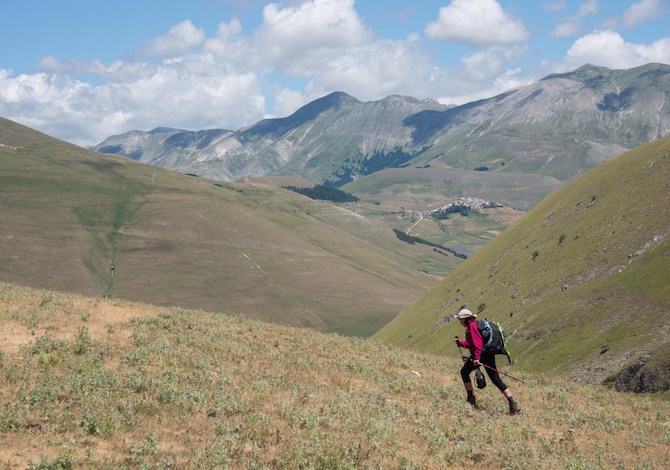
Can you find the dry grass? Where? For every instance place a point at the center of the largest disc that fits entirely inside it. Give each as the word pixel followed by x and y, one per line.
pixel 96 383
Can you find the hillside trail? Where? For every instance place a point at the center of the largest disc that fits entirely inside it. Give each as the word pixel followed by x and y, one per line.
pixel 417 223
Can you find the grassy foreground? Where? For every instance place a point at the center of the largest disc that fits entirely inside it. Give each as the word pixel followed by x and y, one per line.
pixel 87 382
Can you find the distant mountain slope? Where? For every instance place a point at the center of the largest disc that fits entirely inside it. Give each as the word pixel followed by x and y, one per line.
pixel 558 126
pixel 77 221
pixel 582 282
pixel 555 129
pixel 522 145
pixel 314 142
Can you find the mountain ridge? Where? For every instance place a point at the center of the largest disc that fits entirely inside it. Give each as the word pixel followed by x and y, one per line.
pixel 559 126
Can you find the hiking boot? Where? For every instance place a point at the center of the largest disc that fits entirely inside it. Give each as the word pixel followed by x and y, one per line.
pixel 473 401
pixel 514 408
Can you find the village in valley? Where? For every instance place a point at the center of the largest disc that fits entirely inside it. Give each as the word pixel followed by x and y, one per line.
pixel 461 205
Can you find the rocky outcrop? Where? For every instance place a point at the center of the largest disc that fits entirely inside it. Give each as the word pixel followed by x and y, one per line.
pixel 638 377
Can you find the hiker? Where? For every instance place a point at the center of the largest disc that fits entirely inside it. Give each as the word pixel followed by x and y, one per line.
pixel 473 341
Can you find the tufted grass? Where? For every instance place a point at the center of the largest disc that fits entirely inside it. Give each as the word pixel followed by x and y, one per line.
pixel 88 383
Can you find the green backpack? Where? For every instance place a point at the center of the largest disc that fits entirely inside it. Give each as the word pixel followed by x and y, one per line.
pixel 494 338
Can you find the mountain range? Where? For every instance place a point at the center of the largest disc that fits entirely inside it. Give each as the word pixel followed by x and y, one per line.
pixel 516 147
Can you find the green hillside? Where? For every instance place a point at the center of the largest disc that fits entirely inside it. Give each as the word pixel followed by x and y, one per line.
pixel 581 283
pixel 101 383
pixel 78 221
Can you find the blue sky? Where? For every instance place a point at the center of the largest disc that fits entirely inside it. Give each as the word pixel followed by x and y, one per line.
pixel 83 70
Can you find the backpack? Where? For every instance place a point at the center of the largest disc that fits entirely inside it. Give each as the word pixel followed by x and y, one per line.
pixel 494 338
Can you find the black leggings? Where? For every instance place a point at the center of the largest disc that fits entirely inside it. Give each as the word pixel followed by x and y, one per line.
pixel 489 360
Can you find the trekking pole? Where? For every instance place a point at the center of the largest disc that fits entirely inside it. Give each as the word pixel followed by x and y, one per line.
pixel 501 372
pixel 465 359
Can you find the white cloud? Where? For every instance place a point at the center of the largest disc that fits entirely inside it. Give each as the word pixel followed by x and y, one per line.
pixel 230 48
pixel 589 7
pixel 565 29
pixel 209 82
pixel 287 101
pixel 302 50
pixel 85 114
pixel 554 6
pixel 179 40
pixel 489 64
pixel 487 73
pixel 608 48
pixel 51 64
pixel 122 72
pixel 572 26
pixel 640 12
pixel 190 81
pixel 375 70
pixel 468 91
pixel 481 22
pixel 299 39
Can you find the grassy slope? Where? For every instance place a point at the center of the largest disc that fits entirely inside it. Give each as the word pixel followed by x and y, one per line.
pixel 95 383
pixel 68 215
pixel 583 305
pixel 371 226
pixel 422 189
pixel 418 188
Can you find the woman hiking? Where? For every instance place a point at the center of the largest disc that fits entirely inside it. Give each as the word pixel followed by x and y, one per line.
pixel 474 342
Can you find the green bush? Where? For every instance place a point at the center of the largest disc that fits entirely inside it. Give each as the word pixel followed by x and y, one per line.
pixel 82 342
pixel 60 463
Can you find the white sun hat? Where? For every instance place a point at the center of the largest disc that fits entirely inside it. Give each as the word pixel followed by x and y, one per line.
pixel 465 313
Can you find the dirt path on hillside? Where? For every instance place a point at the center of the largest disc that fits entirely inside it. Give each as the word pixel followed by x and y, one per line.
pixel 417 223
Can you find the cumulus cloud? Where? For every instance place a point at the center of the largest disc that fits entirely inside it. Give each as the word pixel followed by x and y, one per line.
pixel 52 64
pixel 640 12
pixel 221 81
pixel 608 48
pixel 375 70
pixel 480 22
pixel 300 39
pixel 287 101
pixel 230 48
pixel 468 91
pixel 85 114
pixel 184 90
pixel 489 64
pixel 486 73
pixel 54 104
pixel 184 79
pixel 179 40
